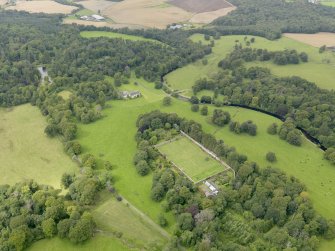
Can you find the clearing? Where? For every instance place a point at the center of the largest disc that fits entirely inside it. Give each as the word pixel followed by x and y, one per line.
pixel 317 39
pixel 320 69
pixel 93 34
pixel 49 7
pixel 190 159
pixel 26 152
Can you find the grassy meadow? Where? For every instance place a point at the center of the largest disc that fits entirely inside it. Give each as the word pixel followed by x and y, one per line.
pixel 197 164
pixel 93 34
pixel 99 242
pixel 25 150
pixel 316 70
pixel 112 138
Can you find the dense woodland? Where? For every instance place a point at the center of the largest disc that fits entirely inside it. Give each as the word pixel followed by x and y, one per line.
pixel 270 18
pixel 32 40
pixel 293 98
pixel 260 209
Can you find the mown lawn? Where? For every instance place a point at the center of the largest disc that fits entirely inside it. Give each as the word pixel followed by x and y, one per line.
pixel 25 150
pixel 188 157
pixel 93 34
pixel 316 70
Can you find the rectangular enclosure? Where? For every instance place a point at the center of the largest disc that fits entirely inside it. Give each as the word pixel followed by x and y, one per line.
pixel 190 159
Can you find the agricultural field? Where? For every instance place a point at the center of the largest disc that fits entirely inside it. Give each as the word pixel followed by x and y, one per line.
pixel 25 150
pixel 93 34
pixel 45 6
pixel 320 68
pixel 317 40
pixel 157 13
pixel 190 159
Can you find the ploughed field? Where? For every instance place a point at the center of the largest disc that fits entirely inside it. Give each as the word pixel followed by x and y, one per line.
pixel 198 6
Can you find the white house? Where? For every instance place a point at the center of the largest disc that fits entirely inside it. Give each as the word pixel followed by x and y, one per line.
pixel 98 17
pixel 212 188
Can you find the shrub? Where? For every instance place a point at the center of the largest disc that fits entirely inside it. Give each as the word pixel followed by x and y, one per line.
pixel 195 108
pixel 167 101
pixel 272 129
pixel 271 157
pixel 204 111
pixel 142 168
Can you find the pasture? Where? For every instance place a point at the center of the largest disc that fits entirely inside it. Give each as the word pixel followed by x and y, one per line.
pixel 320 68
pixel 190 159
pixel 25 150
pixel 93 34
pixel 46 6
pixel 112 216
pixel 112 138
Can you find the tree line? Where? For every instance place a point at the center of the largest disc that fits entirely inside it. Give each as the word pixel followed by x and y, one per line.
pixel 293 98
pixel 271 18
pixel 255 210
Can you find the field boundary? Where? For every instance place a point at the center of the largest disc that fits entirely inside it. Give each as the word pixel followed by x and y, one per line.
pixel 204 149
pixel 213 155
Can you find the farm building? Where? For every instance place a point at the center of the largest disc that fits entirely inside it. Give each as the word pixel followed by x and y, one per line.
pixel 212 189
pixel 130 94
pixel 96 18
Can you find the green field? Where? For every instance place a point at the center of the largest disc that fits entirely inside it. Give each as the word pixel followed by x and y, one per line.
pixel 25 150
pixel 98 243
pixel 112 216
pixel 113 139
pixel 189 157
pixel 316 70
pixel 93 34
pixel 305 162
pixel 328 2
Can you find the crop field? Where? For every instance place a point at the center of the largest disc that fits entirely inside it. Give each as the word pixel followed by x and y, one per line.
pixel 26 152
pixel 92 34
pixel 320 68
pixel 199 6
pixel 155 13
pixel 47 6
pixel 190 159
pixel 317 40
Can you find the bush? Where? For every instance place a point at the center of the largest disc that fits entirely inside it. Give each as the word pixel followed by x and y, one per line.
pixel 330 155
pixel 294 137
pixel 142 168
pixel 271 157
pixel 167 101
pixel 204 111
pixel 272 129
pixel 162 220
pixel 195 108
pixel 220 117
pixel 206 99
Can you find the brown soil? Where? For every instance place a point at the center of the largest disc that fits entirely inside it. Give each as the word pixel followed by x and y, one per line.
pixel 208 17
pixel 317 40
pixel 199 6
pixel 49 7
